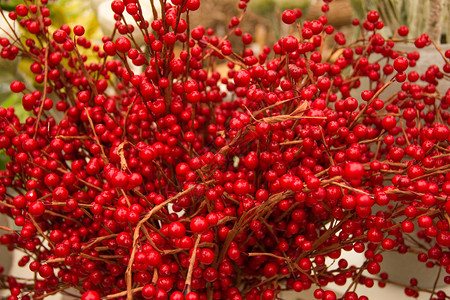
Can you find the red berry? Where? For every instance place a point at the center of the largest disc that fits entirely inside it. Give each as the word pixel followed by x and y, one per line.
pixel 90 295
pixel 199 224
pixel 443 239
pixel 403 30
pixel 120 179
pixel 123 44
pixel 117 7
pixel 400 64
pixel 36 208
pixel 241 187
pixel 353 171
pixel 288 16
pixel 242 78
pixel 389 122
pixel 78 30
pixel 60 36
pixel 17 86
pixel 373 16
pixel 177 230
pixel 193 4
pixel 290 43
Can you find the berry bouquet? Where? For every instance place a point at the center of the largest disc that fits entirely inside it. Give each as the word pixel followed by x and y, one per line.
pixel 144 173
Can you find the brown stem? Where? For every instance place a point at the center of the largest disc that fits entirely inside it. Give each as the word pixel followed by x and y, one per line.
pixel 6 229
pixel 136 236
pixel 91 123
pixel 97 240
pixel 41 108
pixel 121 294
pixel 53 292
pixel 39 229
pixel 371 100
pixel 191 265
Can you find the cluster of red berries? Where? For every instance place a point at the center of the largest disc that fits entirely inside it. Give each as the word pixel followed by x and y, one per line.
pixel 179 182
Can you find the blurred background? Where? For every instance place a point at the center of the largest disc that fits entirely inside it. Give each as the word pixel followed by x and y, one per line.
pixel 263 20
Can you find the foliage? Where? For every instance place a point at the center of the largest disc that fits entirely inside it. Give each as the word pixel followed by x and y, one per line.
pixel 415 14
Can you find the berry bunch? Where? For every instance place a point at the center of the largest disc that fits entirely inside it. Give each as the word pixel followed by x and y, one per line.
pixel 179 182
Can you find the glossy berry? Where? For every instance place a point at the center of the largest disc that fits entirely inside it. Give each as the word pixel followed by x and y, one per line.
pixel 242 78
pixel 288 16
pixel 90 295
pixel 199 224
pixel 400 64
pixel 353 171
pixel 403 30
pixel 123 44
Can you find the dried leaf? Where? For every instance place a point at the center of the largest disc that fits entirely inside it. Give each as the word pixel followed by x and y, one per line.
pixel 120 152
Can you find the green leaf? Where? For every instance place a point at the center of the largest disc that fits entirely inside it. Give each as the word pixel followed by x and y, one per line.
pixel 14 100
pixel 289 4
pixel 9 5
pixel 3 159
pixel 357 8
pixel 263 7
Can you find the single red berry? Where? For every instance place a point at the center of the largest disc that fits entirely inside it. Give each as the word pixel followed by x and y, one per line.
pixel 403 30
pixel 117 7
pixel 78 30
pixel 290 44
pixel 262 128
pixel 120 179
pixel 242 78
pixel 407 226
pixel 443 239
pixel 193 4
pixel 154 259
pixel 46 271
pixel 60 36
pixel 353 171
pixel 123 44
pixel 177 230
pixel 389 122
pixel 17 86
pixel 241 187
pixel 90 295
pixel 247 38
pixel 199 224
pixel 60 194
pixel 400 64
pixel 373 16
pixel 441 132
pixel 288 16
pixel 36 208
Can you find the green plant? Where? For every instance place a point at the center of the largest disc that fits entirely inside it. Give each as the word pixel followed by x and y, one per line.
pixel 9 4
pixel 430 16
